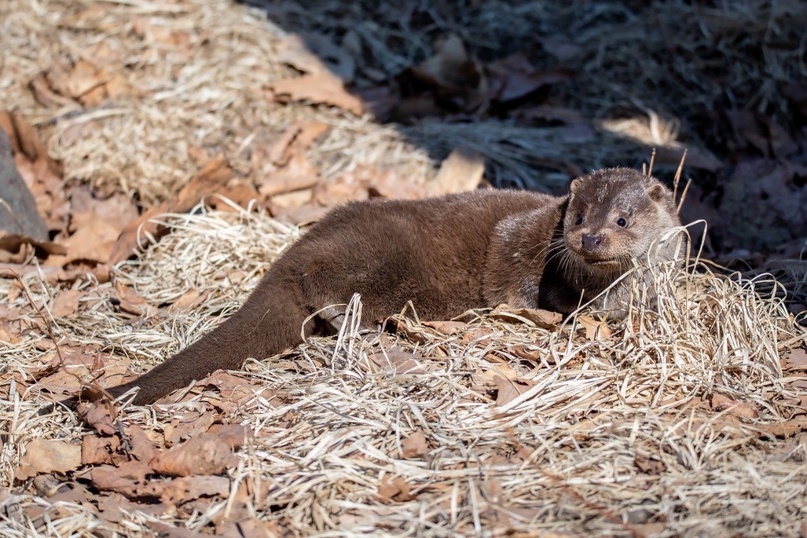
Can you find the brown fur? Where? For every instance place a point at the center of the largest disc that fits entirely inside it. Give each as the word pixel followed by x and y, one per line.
pixel 446 255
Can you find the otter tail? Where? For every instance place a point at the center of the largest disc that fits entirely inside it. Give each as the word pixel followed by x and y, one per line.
pixel 270 321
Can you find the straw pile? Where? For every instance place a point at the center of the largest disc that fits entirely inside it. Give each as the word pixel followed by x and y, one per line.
pixel 688 421
pixel 669 423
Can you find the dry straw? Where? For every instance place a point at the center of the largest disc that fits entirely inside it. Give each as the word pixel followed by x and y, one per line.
pixel 610 434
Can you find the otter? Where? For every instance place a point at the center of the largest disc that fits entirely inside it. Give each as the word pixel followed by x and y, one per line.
pixel 446 255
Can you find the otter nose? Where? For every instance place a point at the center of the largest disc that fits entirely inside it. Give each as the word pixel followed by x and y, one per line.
pixel 591 241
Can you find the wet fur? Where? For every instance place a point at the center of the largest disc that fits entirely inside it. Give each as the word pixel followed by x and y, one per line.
pixel 446 255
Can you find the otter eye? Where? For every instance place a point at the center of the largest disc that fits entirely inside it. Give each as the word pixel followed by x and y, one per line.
pixel 621 222
pixel 579 220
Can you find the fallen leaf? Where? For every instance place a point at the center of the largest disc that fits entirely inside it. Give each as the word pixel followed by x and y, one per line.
pixel 296 140
pixel 184 489
pixel 188 425
pixel 204 183
pixel 447 328
pixel 234 197
pixel 649 464
pixel 461 171
pixel 513 78
pixel 348 187
pixel 138 445
pixel 394 489
pixel 318 88
pixel 795 360
pixel 389 184
pixel 314 53
pixel 450 68
pixel 540 318
pixel 65 303
pixel 48 456
pixel 188 300
pixel 298 174
pixel 234 391
pixel 113 507
pixel 98 450
pixel 509 389
pixel 249 526
pixel 595 329
pixel 129 301
pixel 398 361
pixel 201 455
pixel 99 415
pixel 128 479
pixel 531 354
pixel 415 446
pixel 785 429
pixel 233 435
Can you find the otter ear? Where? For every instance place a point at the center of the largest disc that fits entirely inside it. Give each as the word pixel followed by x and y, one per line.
pixel 574 186
pixel 657 192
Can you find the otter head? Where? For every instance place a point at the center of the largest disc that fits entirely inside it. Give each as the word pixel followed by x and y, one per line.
pixel 614 216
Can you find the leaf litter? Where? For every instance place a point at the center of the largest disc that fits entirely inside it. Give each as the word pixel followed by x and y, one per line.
pixel 609 427
pixel 692 420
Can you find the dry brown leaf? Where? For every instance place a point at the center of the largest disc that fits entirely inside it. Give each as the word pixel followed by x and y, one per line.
pixel 55 275
pixel 112 507
pixel 304 215
pixel 100 415
pixel 233 435
pixel 65 303
pixel 48 456
pixel 295 141
pixel 84 82
pixel 234 391
pixel 188 425
pixel 540 318
pixel 795 360
pixel 97 450
pixel 315 53
pixel 350 186
pixel 508 389
pixel 595 329
pixel 514 78
pixel 130 301
pixel 138 444
pixel 93 241
pixel 415 445
pixel 181 490
pixel 188 300
pixel 451 68
pixel 128 479
pixel 446 327
pixel 209 180
pixel 649 464
pixel 461 171
pixel 738 409
pixel 249 526
pixel 523 352
pixel 398 361
pixel 320 89
pixel 788 428
pixel 116 210
pixel 389 184
pixel 239 192
pixel 201 455
pixel 394 489
pixel 298 174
